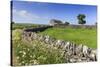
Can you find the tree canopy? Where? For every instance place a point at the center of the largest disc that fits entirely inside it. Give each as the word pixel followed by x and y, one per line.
pixel 81 19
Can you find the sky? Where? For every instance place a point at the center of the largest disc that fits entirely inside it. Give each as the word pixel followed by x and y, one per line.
pixel 42 12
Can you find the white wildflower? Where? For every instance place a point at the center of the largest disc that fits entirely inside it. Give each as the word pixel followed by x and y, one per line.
pixel 24 53
pixel 20 51
pixel 17 57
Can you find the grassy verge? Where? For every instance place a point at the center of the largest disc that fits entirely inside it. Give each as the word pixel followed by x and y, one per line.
pixel 35 52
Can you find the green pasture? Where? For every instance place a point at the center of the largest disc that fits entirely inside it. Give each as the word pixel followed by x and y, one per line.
pixel 79 36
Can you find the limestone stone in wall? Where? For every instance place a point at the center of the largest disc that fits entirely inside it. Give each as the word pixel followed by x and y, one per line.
pixel 70 51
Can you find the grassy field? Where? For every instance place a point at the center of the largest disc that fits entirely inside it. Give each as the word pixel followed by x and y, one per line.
pixel 35 52
pixel 79 36
pixel 23 26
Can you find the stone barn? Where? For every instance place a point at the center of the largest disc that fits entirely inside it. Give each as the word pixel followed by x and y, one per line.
pixel 54 22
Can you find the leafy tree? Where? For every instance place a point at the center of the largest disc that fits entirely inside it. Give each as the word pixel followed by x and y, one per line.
pixel 67 23
pixel 81 19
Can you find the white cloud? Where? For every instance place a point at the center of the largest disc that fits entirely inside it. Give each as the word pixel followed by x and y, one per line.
pixel 24 14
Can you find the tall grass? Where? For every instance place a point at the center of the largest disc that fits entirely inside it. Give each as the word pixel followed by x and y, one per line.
pixel 35 52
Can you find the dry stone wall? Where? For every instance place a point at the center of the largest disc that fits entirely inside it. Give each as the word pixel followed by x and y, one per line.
pixel 70 51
